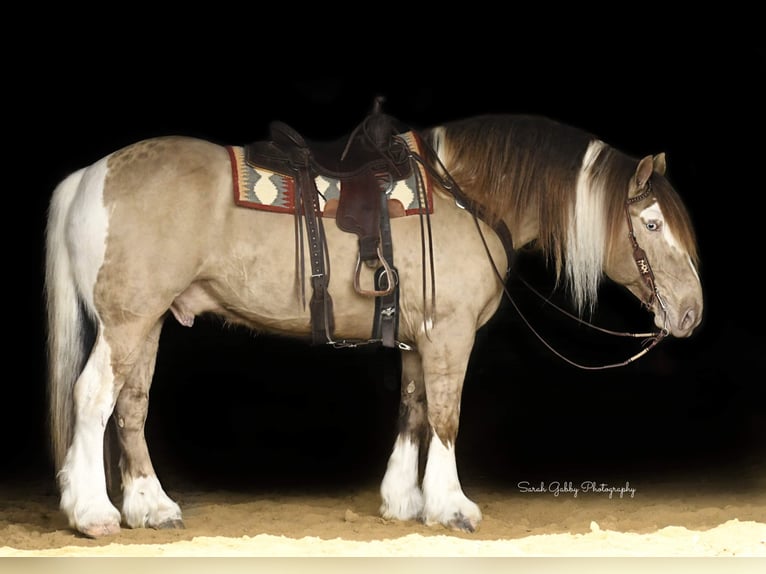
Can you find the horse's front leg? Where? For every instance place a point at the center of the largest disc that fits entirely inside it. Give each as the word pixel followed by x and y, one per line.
pixel 145 503
pixel 400 489
pixel 444 366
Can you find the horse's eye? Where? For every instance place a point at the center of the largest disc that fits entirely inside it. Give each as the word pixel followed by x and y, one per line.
pixel 653 225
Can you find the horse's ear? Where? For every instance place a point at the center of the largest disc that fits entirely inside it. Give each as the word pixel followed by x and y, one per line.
pixel 643 173
pixel 660 164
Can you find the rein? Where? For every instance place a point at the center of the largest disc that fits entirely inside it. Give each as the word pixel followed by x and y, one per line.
pixel 639 256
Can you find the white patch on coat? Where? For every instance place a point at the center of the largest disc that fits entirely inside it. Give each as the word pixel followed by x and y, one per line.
pixel 87 228
pixel 82 479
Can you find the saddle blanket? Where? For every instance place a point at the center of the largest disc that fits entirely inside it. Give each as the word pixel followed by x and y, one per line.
pixel 259 188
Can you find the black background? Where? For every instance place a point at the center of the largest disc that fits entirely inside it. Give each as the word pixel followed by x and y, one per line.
pixel 231 409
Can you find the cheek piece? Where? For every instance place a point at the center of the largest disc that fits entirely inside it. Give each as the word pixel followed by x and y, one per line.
pixel 642 261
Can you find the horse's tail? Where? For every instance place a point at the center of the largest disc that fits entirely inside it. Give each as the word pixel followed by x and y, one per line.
pixel 65 315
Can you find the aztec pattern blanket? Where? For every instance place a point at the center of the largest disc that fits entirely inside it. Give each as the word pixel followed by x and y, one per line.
pixel 259 188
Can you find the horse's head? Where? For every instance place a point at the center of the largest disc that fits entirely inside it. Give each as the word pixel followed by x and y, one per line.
pixel 653 251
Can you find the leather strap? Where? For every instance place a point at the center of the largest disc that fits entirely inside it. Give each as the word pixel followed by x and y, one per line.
pixel 322 323
pixel 386 305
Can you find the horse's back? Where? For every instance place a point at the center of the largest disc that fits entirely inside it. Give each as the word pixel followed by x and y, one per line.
pixel 169 187
pixel 154 168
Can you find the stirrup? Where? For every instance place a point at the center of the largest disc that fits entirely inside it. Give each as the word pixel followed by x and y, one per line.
pixel 386 270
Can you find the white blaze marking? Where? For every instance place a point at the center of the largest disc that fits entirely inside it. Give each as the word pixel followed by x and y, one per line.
pixel 654 213
pixel 694 268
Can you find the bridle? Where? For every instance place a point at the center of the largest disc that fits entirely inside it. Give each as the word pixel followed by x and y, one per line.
pixel 651 339
pixel 639 255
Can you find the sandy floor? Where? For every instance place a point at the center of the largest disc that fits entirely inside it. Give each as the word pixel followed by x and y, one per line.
pixel 685 519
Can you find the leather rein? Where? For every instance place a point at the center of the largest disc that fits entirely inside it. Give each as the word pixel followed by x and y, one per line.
pixel 651 339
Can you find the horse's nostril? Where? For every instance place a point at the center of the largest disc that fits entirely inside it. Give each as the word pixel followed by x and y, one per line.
pixel 689 320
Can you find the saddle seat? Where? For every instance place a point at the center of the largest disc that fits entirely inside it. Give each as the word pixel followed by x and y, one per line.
pixel 368 147
pixel 367 164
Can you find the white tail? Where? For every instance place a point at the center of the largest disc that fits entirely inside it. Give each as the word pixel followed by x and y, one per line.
pixel 66 336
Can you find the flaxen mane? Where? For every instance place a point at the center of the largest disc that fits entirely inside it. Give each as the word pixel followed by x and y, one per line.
pixel 526 168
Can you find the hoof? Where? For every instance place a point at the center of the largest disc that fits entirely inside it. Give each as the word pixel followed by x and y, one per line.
pixel 100 530
pixel 174 524
pixel 462 523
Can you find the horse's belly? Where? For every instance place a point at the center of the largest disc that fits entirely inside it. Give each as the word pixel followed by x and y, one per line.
pixel 253 278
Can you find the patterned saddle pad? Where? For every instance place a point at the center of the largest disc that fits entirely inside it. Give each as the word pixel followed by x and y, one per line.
pixel 260 188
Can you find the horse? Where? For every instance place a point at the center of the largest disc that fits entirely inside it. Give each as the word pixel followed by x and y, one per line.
pixel 154 232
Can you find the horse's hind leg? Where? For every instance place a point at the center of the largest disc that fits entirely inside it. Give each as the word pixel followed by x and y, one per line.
pixel 400 489
pixel 145 503
pixel 82 479
pixel 117 358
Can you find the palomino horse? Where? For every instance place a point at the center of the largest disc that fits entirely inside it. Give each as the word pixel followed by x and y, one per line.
pixel 161 229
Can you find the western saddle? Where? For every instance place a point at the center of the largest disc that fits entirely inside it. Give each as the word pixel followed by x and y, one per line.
pixel 367 164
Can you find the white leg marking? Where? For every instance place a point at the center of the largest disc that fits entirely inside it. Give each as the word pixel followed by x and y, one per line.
pixel 145 504
pixel 84 499
pixel 402 499
pixel 445 502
